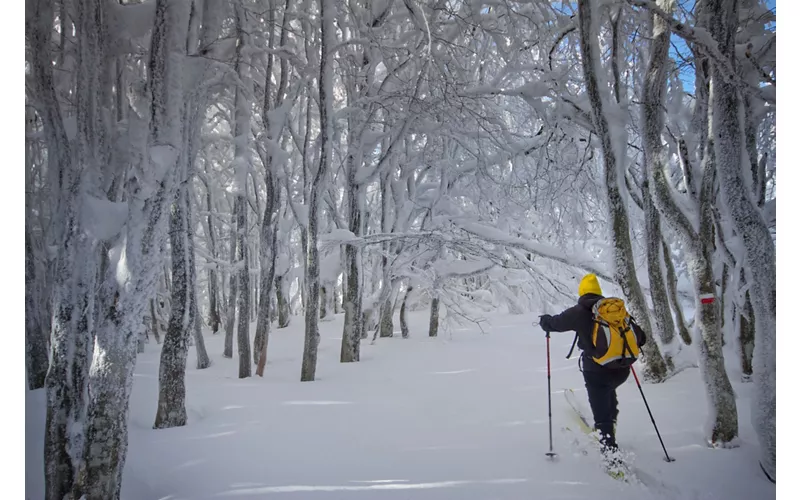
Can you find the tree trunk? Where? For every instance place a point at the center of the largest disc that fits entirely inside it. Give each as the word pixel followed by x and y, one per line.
pixel 699 245
pixel 433 326
pixel 311 343
pixel 171 410
pixel 672 288
pixel 386 316
pixel 35 348
pixel 213 308
pixel 722 300
pixel 353 327
pixel 747 336
pixel 624 270
pixel 323 302
pixel 243 302
pixel 195 321
pixel 154 320
pixel 750 226
pixel 658 290
pixel 284 315
pixel 230 316
pixel 403 319
pixel 111 374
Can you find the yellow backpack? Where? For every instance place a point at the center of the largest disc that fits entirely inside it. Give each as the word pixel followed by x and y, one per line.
pixel 613 338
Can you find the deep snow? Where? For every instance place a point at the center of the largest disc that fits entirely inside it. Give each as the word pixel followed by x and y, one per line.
pixel 462 416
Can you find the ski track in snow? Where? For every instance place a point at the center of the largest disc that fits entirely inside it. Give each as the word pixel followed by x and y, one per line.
pixel 461 416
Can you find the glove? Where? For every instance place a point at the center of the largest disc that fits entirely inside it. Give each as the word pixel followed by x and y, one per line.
pixel 544 322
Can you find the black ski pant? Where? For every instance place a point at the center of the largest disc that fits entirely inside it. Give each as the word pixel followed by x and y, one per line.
pixel 601 385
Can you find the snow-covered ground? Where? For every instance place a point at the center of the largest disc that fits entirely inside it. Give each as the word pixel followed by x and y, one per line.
pixel 462 416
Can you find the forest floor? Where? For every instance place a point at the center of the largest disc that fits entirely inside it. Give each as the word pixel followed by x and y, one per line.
pixel 462 416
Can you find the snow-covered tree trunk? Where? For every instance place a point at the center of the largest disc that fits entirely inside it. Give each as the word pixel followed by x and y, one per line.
pixel 623 262
pixel 171 411
pixel 213 293
pixel 385 318
pixel 75 267
pixel 433 324
pixel 284 314
pixel 403 319
pixel 150 189
pixel 698 244
pixel 230 316
pixel 352 331
pixel 242 165
pixel 672 289
pixel 747 337
pixel 36 361
pixel 203 360
pixel 243 299
pixel 309 367
pixel 749 225
pixel 270 223
pixel 658 290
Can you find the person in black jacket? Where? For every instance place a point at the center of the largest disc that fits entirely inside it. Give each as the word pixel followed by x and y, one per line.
pixel 601 381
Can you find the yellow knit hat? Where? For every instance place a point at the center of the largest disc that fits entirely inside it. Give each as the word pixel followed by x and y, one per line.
pixel 589 284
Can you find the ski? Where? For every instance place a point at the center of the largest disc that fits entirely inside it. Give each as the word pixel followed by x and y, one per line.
pixel 618 470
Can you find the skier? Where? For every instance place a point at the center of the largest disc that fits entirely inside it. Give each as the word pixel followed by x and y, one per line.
pixel 601 380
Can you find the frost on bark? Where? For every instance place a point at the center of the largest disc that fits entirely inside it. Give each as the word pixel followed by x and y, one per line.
pixel 658 290
pixel 352 300
pixel 749 225
pixel 698 244
pixel 75 268
pixel 386 322
pixel 311 342
pixel 150 189
pixel 323 302
pixel 243 300
pixel 403 319
pixel 655 369
pixel 35 348
pixel 747 338
pixel 284 314
pixel 213 306
pixel 171 411
pixel 269 224
pixel 195 321
pixel 433 325
pixel 154 321
pixel 230 316
pixel 672 289
pixel 241 173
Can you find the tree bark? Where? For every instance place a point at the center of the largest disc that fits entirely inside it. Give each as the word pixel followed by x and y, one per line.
pixel 36 361
pixel 171 410
pixel 311 343
pixel 624 271
pixel 230 316
pixel 755 234
pixel 699 245
pixel 672 289
pixel 213 308
pixel 433 325
pixel 111 374
pixel 403 319
pixel 658 290
pixel 284 315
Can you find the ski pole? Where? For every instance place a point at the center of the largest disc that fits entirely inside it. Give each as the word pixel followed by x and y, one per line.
pixel 668 458
pixel 551 453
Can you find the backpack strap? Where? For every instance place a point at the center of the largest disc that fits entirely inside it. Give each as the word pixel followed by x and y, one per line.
pixel 574 341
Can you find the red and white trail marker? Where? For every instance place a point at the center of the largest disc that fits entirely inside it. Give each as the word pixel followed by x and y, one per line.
pixel 706 298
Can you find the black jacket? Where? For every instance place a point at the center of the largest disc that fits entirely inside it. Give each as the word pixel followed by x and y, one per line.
pixel 579 318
